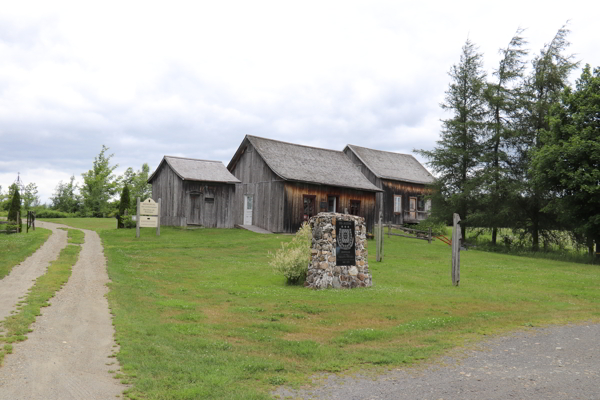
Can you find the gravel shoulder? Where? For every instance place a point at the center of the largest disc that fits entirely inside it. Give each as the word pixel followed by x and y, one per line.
pixel 559 362
pixel 67 355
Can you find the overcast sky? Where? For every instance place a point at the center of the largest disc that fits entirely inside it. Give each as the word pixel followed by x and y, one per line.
pixel 191 78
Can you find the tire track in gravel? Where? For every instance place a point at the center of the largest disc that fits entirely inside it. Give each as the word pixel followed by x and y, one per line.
pixel 66 355
pixel 23 276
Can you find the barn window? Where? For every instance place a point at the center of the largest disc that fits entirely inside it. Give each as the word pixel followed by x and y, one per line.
pixel 308 206
pixel 209 200
pixel 355 207
pixel 397 204
pixel 428 205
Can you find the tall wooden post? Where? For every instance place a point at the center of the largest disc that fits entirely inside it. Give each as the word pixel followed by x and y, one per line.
pixel 18 222
pixel 429 235
pixel 382 232
pixel 456 240
pixel 137 219
pixel 158 219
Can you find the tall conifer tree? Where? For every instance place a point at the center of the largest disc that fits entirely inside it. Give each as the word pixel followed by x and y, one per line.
pixel 457 155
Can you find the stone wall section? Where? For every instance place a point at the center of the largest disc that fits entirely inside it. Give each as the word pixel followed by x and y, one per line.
pixel 322 271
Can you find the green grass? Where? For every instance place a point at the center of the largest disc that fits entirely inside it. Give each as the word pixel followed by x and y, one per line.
pixel 199 314
pixel 15 248
pixel 17 326
pixel 93 224
pixel 74 236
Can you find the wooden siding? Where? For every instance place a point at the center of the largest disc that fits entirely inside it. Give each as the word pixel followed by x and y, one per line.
pixel 267 188
pixel 294 203
pixel 404 189
pixel 183 202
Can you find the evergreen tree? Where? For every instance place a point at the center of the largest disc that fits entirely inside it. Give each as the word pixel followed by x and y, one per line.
pixel 504 98
pixel 568 162
pixel 15 208
pixel 124 203
pixel 549 76
pixel 457 155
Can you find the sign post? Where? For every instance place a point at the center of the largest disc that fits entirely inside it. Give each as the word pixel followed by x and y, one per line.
pixel 456 241
pixel 147 216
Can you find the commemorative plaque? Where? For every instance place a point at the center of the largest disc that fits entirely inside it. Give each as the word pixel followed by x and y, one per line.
pixel 345 249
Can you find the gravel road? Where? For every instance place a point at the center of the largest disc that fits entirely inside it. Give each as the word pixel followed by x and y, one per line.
pixel 67 354
pixel 560 362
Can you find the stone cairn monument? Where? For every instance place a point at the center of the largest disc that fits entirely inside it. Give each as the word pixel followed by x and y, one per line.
pixel 339 252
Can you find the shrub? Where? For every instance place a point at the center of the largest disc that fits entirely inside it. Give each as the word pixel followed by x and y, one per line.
pixel 127 222
pixel 292 258
pixel 47 213
pixel 15 209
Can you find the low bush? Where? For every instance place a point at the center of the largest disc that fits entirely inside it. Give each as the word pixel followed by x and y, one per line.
pixel 292 259
pixel 48 213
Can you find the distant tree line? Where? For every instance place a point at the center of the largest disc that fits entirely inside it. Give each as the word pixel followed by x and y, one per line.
pixel 96 197
pixel 521 150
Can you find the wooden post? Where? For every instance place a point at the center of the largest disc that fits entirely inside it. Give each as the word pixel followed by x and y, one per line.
pixel 382 231
pixel 429 235
pixel 158 219
pixel 18 221
pixel 456 239
pixel 137 219
pixel 28 221
pixel 389 229
pixel 33 222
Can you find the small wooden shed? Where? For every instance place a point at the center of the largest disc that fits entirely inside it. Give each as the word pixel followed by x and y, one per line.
pixel 194 192
pixel 402 178
pixel 284 184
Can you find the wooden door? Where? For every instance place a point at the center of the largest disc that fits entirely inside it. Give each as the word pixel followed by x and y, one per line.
pixel 248 205
pixel 195 215
pixel 412 208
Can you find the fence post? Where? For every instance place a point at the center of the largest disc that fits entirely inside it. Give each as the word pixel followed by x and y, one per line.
pixel 158 219
pixel 382 231
pixel 137 219
pixel 456 239
pixel 27 231
pixel 429 237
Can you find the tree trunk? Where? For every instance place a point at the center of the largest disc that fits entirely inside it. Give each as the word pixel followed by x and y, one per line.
pixel 494 236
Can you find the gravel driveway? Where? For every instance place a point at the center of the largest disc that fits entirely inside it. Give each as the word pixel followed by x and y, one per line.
pixel 551 363
pixel 67 354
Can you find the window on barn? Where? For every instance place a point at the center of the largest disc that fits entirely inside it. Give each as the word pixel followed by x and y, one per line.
pixel 421 203
pixel 209 200
pixel 428 205
pixel 397 204
pixel 309 206
pixel 355 207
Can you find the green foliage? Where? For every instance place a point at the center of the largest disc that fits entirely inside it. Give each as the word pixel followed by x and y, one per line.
pixel 138 184
pixel 568 162
pixel 124 204
pixel 292 259
pixel 48 213
pixel 65 198
pixel 99 186
pixel 457 155
pixel 15 209
pixel 30 196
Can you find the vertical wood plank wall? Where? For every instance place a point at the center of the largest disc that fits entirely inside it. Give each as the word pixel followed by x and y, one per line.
pixel 183 202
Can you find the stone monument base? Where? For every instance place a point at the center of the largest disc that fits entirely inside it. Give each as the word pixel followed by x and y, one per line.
pixel 343 263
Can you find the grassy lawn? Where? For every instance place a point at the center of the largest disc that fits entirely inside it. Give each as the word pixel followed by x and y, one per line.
pixel 15 248
pixel 93 224
pixel 199 314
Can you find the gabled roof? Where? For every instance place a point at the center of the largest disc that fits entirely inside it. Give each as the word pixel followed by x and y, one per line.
pixel 394 166
pixel 294 162
pixel 190 169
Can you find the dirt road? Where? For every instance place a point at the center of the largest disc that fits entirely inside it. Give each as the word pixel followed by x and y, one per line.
pixel 67 356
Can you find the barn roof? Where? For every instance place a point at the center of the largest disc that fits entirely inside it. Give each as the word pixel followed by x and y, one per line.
pixel 296 162
pixel 394 166
pixel 190 169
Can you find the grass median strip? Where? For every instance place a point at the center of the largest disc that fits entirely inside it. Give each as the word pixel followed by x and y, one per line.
pixel 17 326
pixel 15 248
pixel 199 313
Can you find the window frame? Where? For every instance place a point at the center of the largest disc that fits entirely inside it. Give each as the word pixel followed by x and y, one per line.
pixel 399 209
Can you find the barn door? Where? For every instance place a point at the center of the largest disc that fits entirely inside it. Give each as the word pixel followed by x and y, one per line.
pixel 412 210
pixel 248 205
pixel 195 215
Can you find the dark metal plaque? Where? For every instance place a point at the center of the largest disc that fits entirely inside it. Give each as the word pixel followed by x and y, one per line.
pixel 345 247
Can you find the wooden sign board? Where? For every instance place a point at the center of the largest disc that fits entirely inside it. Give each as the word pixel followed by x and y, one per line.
pixel 148 207
pixel 148 222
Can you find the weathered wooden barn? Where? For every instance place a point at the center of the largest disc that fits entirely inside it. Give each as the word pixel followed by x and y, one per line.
pixel 194 192
pixel 284 184
pixel 401 177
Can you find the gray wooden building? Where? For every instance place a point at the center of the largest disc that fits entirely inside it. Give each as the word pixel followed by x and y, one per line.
pixel 194 192
pixel 284 184
pixel 403 181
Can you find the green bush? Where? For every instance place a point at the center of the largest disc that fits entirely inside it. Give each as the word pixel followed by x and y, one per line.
pixel 127 222
pixel 48 213
pixel 292 258
pixel 15 209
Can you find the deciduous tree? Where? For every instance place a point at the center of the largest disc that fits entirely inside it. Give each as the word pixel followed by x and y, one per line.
pixel 99 185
